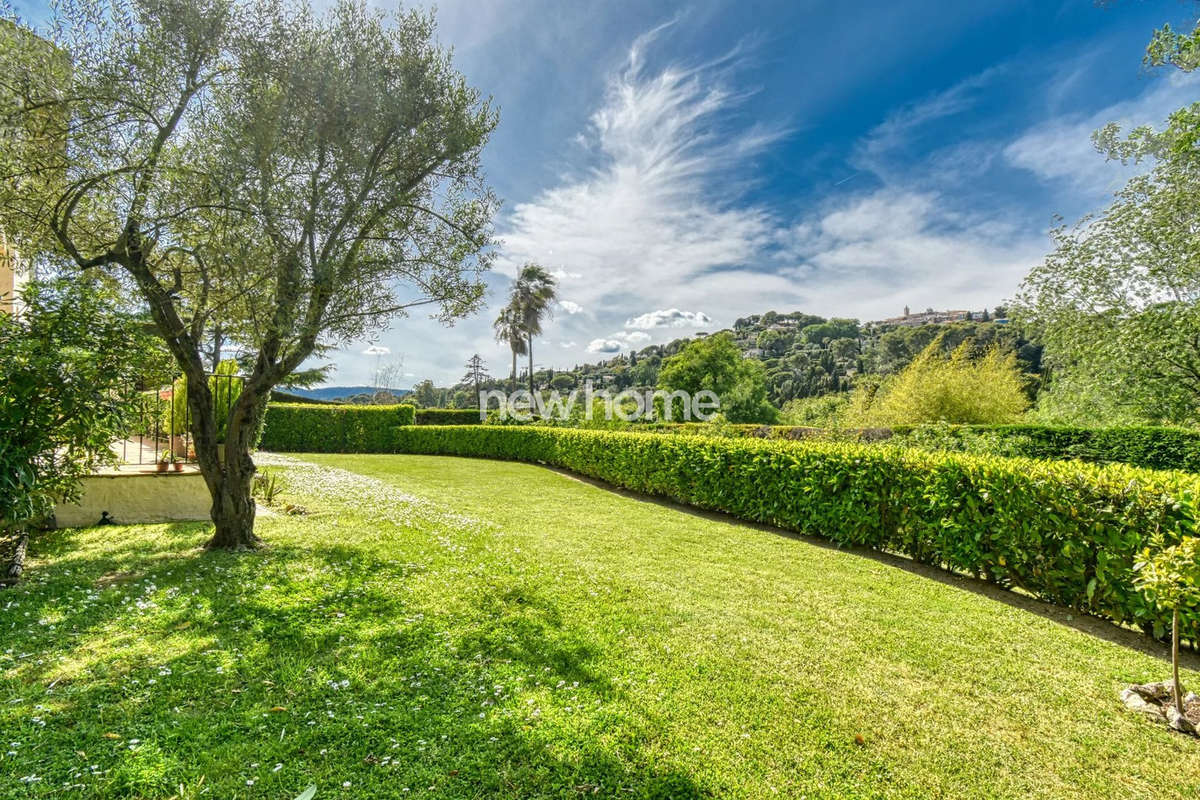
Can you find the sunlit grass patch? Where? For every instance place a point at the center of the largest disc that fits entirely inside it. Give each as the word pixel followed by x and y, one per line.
pixel 450 628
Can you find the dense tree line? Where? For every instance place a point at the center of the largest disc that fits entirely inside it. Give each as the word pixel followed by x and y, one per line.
pixel 805 355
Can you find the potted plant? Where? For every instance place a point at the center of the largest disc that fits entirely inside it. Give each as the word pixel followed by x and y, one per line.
pixel 1170 578
pixel 164 460
pixel 177 465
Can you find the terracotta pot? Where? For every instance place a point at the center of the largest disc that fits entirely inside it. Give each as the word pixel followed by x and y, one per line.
pixel 178 466
pixel 161 466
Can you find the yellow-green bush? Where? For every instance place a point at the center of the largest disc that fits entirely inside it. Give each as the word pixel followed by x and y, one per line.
pixel 958 388
pixel 1067 532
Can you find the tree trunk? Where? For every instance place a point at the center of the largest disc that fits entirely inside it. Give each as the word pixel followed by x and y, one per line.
pixel 531 367
pixel 218 341
pixel 514 372
pixel 12 573
pixel 1176 687
pixel 229 479
pixel 233 514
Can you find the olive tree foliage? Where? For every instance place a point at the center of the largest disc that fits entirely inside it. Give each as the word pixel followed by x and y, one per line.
pixel 1118 301
pixel 255 171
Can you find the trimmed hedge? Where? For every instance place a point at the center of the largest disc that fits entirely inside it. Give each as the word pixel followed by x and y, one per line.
pixel 1150 447
pixel 303 428
pixel 1145 446
pixel 447 416
pixel 1066 532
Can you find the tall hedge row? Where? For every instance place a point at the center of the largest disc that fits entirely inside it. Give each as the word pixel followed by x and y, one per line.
pixel 1066 532
pixel 447 416
pixel 302 428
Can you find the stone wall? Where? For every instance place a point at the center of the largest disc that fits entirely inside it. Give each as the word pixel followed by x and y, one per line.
pixel 138 497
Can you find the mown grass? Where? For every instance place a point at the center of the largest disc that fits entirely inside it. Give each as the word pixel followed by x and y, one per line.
pixel 457 628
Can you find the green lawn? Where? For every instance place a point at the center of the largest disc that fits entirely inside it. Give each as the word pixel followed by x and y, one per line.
pixel 440 627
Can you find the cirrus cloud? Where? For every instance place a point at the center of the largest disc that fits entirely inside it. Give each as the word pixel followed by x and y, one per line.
pixel 657 199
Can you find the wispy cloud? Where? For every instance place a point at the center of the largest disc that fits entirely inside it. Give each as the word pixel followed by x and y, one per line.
pixel 1059 150
pixel 902 129
pixel 661 202
pixel 570 306
pixel 875 253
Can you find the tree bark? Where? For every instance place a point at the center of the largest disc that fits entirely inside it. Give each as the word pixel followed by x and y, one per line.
pixel 229 479
pixel 218 339
pixel 12 573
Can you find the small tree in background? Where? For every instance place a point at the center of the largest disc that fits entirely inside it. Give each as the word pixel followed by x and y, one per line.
pixel 1170 578
pixel 475 377
pixel 939 388
pixel 533 295
pixel 509 331
pixel 715 363
pixel 425 395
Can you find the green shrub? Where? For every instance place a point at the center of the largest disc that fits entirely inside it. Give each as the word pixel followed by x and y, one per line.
pixel 1149 447
pixel 68 365
pixel 447 416
pixel 302 428
pixel 1066 532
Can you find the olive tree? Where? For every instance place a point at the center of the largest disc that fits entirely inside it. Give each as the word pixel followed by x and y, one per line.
pixel 253 171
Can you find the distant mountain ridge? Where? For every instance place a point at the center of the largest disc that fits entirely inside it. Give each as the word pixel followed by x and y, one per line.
pixel 342 392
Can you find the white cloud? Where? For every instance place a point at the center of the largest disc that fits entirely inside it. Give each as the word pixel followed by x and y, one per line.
pixel 570 307
pixel 566 345
pixel 659 202
pixel 1060 149
pixel 632 337
pixel 376 350
pixel 669 318
pixel 563 275
pixel 605 346
pixel 875 253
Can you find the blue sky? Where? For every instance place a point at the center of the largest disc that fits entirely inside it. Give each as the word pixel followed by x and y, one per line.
pixel 679 166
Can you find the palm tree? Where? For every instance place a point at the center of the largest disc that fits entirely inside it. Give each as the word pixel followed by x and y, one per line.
pixel 509 331
pixel 532 295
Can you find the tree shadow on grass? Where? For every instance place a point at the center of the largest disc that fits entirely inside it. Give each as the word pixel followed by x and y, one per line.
pixel 332 662
pixel 1070 618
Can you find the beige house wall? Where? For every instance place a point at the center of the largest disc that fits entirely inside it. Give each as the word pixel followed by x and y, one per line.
pixel 138 497
pixel 11 277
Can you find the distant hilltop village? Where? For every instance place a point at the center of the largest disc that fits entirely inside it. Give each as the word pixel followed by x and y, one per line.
pixel 929 316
